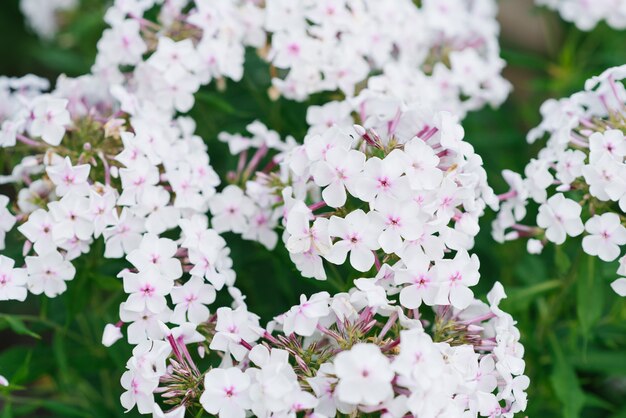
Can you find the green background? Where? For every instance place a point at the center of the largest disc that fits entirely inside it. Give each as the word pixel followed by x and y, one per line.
pixel 573 326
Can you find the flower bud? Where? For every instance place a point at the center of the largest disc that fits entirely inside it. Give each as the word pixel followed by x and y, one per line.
pixel 110 335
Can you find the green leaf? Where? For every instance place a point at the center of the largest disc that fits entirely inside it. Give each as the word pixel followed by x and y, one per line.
pixel 105 282
pixel 565 383
pixel 612 363
pixel 619 414
pixel 22 372
pixel 596 401
pixel 19 327
pixel 520 295
pixel 60 355
pixel 63 409
pixel 589 296
pixel 562 261
pixel 216 102
pixel 6 410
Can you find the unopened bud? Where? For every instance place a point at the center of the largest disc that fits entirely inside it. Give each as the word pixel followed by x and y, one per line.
pixel 110 335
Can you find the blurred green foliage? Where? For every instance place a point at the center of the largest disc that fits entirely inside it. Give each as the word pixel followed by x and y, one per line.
pixel 573 326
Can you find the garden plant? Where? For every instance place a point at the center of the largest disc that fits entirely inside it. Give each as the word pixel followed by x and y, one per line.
pixel 313 208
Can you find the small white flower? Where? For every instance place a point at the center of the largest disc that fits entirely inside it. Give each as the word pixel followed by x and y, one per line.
pixel 422 170
pixel 226 393
pixel 619 286
pixel 384 177
pixel 48 273
pixel 606 235
pixel 364 375
pixel 191 300
pixel 455 277
pixel 7 220
pixel 38 230
pixel 111 334
pixel 358 235
pixel 50 119
pixel 302 235
pixel 422 284
pixel 12 280
pixel 157 253
pixel 534 246
pixel 560 217
pixel 68 178
pixel 303 318
pixel 231 210
pixel 147 290
pixel 340 171
pixel 233 327
pixel 138 391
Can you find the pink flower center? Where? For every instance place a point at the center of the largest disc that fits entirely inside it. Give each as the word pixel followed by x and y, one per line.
pixel 147 290
pixel 384 182
pixel 229 391
pixel 293 49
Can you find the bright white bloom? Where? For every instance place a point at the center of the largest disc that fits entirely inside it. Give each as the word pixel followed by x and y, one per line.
pixel 303 319
pixel 337 173
pixel 561 217
pixel 157 254
pixel 233 327
pixel 401 221
pixel 7 220
pixel 147 290
pixel 191 300
pixel 145 325
pixel 302 235
pixel 231 210
pixel 111 334
pixel 68 178
pixel 48 273
pixel 12 280
pixel 50 118
pixel 210 260
pixel 607 234
pixel 619 286
pixel 364 375
pixel 38 230
pixel 138 391
pixel 123 235
pixel 422 284
pixel 587 14
pixel 358 235
pixel 383 178
pixel 422 170
pixel 43 18
pixel 455 277
pixel 225 393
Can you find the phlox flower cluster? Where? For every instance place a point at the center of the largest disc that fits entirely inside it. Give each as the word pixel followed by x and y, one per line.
pixel 355 352
pixel 45 17
pixel 409 195
pixel 163 64
pixel 587 14
pixel 91 171
pixel 442 52
pixel 578 178
pixel 381 197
